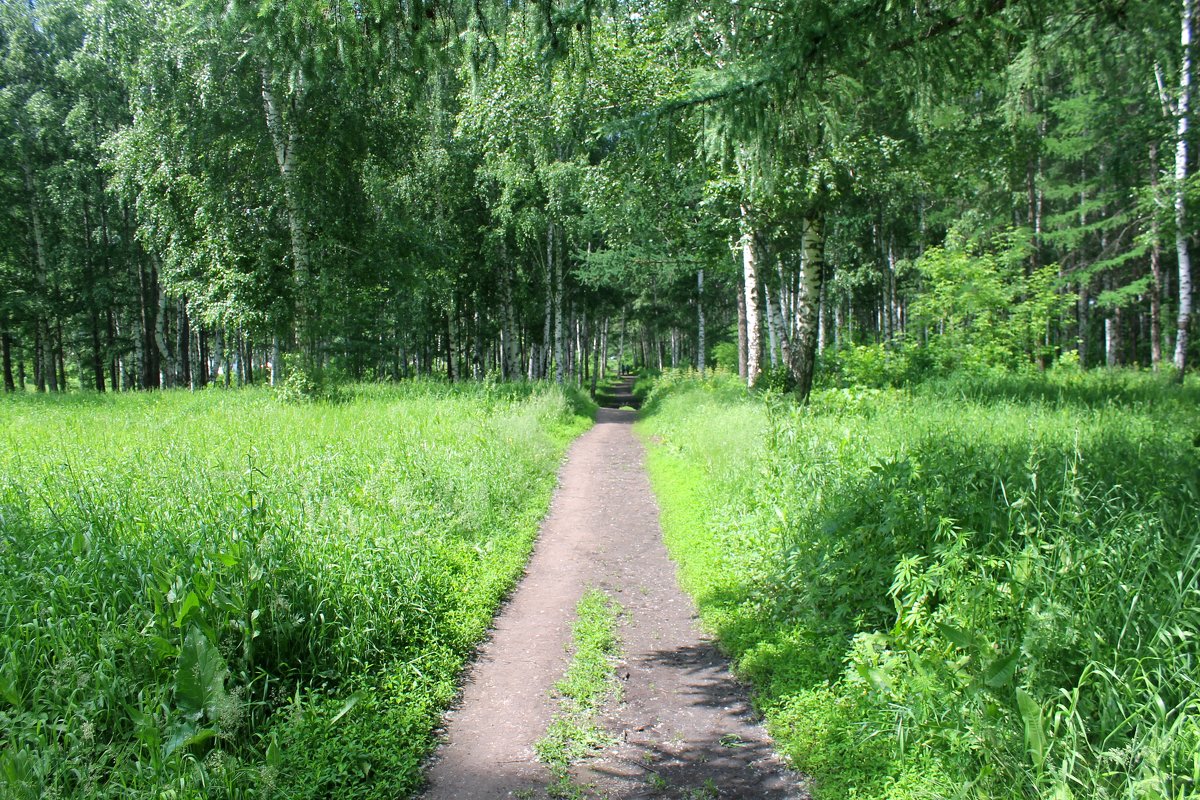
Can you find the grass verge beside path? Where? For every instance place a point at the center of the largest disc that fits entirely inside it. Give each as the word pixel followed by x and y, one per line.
pixel 589 683
pixel 975 589
pixel 218 595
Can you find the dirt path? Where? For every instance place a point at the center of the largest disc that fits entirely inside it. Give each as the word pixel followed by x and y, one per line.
pixel 684 726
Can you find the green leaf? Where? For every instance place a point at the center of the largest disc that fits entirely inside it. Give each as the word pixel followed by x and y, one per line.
pixel 1035 731
pixel 186 736
pixel 350 703
pixel 199 677
pixel 190 603
pixel 957 636
pixel 1000 672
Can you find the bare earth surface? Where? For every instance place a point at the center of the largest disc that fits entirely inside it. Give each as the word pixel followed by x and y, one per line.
pixel 684 727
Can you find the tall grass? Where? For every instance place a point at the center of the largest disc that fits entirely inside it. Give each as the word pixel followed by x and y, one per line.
pixel 220 595
pixel 971 589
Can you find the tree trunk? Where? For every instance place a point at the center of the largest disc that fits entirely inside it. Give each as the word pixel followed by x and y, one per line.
pixel 148 282
pixel 743 348
pixel 560 333
pixel 802 357
pixel 1112 328
pixel 6 359
pixel 753 310
pixel 204 363
pixel 1181 175
pixel 701 350
pixel 774 330
pixel 46 372
pixel 511 363
pixel 184 346
pixel 621 346
pixel 1156 272
pixel 97 353
pixel 60 356
pixel 170 367
pixel 1082 343
pixel 286 140
pixel 452 339
pixel 111 346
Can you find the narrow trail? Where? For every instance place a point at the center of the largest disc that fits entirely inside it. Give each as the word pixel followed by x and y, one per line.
pixel 683 728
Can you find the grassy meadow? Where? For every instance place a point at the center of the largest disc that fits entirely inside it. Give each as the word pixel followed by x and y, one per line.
pixel 972 588
pixel 219 595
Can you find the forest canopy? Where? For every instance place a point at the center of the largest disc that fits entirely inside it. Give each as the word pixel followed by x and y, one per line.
pixel 214 191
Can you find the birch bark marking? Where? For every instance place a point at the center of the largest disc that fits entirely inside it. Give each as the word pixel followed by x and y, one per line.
pixel 803 355
pixel 1181 174
pixel 559 330
pixel 1156 273
pixel 286 141
pixel 753 311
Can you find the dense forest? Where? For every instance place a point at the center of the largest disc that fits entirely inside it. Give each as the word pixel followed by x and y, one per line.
pixel 209 192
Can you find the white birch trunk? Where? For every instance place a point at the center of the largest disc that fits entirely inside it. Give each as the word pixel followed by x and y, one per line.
pixel 559 328
pixel 803 346
pixel 1181 174
pixel 753 310
pixel 286 141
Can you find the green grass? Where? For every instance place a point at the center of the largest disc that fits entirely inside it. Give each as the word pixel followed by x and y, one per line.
pixel 589 682
pixel 220 595
pixel 983 589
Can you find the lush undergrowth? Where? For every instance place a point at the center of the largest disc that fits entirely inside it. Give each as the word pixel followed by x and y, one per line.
pixel 220 595
pixel 975 588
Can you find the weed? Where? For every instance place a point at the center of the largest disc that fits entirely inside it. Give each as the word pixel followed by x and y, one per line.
pixel 589 682
pixel 218 595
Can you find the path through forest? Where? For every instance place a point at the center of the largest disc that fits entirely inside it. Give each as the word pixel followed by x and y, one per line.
pixel 683 726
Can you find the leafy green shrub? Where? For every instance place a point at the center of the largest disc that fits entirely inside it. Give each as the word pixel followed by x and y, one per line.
pixel 305 381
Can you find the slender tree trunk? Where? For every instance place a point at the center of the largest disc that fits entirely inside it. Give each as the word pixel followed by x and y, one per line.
pixel 1181 175
pixel 743 340
pixel 39 374
pixel 1112 328
pixel 753 309
pixel 452 339
pixel 148 281
pixel 111 346
pixel 701 347
pixel 1156 271
pixel 169 367
pixel 6 358
pixel 773 330
pixel 604 350
pixel 97 353
pixel 596 337
pixel 286 140
pixel 60 355
pixel 560 333
pixel 46 372
pixel 203 356
pixel 508 329
pixel 621 345
pixel 1083 341
pixel 184 347
pixel 802 357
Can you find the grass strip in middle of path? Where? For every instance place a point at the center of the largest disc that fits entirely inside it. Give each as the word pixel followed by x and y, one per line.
pixel 590 681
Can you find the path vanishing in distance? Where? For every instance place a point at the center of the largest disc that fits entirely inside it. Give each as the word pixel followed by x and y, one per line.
pixel 683 725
